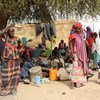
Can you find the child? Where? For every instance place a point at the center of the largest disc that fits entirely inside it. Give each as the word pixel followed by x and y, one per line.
pixel 24 74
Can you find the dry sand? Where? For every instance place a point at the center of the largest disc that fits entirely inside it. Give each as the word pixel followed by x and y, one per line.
pixel 57 91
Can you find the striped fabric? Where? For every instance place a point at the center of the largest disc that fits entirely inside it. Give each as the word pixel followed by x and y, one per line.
pixel 10 76
pixel 10 70
pixel 77 73
pixel 10 50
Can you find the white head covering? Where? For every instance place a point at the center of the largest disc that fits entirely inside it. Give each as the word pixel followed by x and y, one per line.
pixel 98 44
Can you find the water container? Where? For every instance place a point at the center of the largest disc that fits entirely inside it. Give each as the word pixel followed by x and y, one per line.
pixel 53 74
pixel 37 80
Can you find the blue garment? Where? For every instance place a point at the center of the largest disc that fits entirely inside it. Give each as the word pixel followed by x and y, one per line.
pixel 25 69
pixel 49 30
pixel 39 29
pixel 72 31
pixel 1 45
pixel 96 58
pixel 35 53
pixel 24 41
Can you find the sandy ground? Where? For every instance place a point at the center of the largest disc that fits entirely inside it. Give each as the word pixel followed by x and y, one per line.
pixel 57 91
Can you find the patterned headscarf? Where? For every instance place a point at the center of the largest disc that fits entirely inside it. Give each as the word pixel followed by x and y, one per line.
pixel 78 25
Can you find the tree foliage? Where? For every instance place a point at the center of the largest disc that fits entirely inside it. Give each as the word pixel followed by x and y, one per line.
pixel 45 10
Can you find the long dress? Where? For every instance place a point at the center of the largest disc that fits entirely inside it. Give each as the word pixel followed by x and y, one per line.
pixel 96 51
pixel 10 71
pixel 80 68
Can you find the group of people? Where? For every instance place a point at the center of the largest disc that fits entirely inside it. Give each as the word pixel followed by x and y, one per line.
pixel 94 49
pixel 80 44
pixel 15 61
pixel 62 51
pixel 85 46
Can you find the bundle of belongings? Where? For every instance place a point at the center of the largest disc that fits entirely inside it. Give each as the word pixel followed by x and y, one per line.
pixel 59 66
pixel 62 74
pixel 48 29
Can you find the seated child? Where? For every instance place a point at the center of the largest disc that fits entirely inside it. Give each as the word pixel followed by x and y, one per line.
pixel 24 74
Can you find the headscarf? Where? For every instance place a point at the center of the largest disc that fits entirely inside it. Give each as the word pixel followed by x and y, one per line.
pixel 78 25
pixel 98 44
pixel 11 29
pixel 72 30
pixel 88 31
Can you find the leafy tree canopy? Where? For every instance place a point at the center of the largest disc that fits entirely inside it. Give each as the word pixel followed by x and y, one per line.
pixel 46 10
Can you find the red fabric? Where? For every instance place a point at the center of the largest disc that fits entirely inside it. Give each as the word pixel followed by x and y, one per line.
pixel 91 33
pixel 78 25
pixel 10 76
pixel 90 42
pixel 28 52
pixel 71 37
pixel 12 46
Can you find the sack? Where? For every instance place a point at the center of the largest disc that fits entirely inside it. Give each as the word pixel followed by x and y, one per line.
pixel 35 71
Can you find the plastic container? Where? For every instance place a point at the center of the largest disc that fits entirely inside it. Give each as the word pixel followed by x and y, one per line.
pixel 53 74
pixel 37 80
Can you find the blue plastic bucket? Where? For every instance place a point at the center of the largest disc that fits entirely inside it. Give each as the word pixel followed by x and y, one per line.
pixel 37 80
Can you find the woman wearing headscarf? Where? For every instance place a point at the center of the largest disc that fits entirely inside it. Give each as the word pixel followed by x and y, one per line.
pixel 78 49
pixel 62 45
pixel 10 71
pixel 96 50
pixel 89 39
pixel 89 46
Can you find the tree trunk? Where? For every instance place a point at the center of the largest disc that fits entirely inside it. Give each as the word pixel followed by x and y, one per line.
pixel 3 21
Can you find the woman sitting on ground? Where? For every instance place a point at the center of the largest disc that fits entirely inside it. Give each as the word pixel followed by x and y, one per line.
pixel 62 45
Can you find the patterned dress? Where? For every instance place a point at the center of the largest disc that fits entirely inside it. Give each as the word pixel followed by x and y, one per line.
pixel 77 73
pixel 10 71
pixel 80 68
